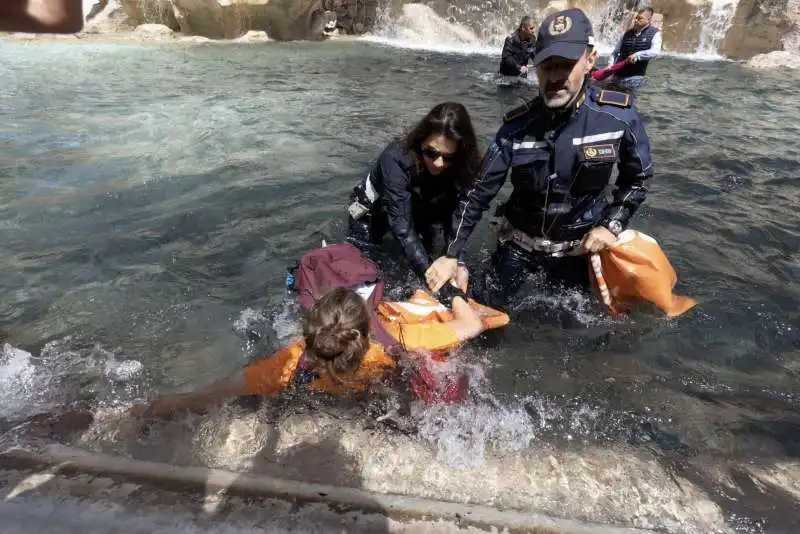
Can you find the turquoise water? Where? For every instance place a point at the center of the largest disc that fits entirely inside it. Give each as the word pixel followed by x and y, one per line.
pixel 152 196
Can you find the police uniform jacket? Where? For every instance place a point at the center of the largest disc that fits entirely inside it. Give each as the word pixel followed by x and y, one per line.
pixel 407 201
pixel 561 164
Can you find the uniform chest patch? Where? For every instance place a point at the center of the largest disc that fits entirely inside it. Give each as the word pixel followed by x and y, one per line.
pixel 600 152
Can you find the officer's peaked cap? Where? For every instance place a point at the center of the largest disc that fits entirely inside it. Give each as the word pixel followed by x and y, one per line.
pixel 564 34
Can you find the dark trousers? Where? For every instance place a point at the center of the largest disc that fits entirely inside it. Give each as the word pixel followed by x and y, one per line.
pixel 511 265
pixel 368 232
pixel 367 235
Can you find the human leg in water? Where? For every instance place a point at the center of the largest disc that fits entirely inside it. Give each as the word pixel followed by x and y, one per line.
pixel 366 233
pixel 571 272
pixel 511 265
pixel 496 285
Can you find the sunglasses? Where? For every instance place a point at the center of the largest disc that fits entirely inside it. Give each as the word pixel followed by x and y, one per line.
pixel 434 154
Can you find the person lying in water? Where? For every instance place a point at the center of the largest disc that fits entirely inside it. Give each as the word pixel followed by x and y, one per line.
pixel 336 353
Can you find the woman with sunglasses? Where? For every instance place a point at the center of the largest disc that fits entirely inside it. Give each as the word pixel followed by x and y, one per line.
pixel 416 185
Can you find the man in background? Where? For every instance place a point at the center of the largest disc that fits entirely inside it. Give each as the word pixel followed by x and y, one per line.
pixel 41 16
pixel 518 49
pixel 638 46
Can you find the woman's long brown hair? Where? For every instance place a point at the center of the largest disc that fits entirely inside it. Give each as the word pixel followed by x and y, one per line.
pixel 451 120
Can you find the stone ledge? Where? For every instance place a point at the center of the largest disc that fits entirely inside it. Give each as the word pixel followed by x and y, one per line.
pixel 66 460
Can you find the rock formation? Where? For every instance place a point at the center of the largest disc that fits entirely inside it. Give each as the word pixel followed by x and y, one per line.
pixel 281 19
pixel 153 32
pixel 757 26
pixel 112 18
pixel 774 60
pixel 761 26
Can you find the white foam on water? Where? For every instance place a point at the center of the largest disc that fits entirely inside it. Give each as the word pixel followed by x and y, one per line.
pixel 247 318
pixel 18 381
pixel 583 307
pixel 123 371
pixel 444 48
pixel 286 322
pixel 697 56
pixel 31 384
pixel 465 434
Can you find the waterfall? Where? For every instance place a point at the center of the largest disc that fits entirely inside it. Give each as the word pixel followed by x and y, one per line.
pixel 488 22
pixel 716 26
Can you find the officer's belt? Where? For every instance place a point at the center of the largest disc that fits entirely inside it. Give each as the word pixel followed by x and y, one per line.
pixel 507 232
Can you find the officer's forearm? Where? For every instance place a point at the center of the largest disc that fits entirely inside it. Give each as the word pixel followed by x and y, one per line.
pixel 626 201
pixel 470 211
pixel 465 219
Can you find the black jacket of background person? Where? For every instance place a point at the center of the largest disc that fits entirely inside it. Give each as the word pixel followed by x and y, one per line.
pixel 404 205
pixel 516 53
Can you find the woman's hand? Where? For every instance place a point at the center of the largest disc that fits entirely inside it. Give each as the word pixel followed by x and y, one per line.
pixel 440 272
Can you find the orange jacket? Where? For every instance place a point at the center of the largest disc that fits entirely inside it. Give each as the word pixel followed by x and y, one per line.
pixel 419 323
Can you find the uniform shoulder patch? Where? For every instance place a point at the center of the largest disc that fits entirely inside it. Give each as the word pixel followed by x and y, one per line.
pixel 517 112
pixel 614 98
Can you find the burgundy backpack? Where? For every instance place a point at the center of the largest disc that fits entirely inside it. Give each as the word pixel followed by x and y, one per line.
pixel 339 265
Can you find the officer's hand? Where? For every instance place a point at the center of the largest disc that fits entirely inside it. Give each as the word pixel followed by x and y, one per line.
pixel 442 270
pixel 523 70
pixel 462 278
pixel 597 239
pixel 632 58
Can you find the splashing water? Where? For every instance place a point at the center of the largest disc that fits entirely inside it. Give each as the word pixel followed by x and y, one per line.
pixel 17 381
pixel 463 433
pixel 31 384
pixel 420 27
pixel 471 27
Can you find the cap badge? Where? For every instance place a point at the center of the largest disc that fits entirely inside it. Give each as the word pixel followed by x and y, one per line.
pixel 559 25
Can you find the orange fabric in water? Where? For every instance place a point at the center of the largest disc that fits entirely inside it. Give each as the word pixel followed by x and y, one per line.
pixel 636 269
pixel 419 323
pixel 273 375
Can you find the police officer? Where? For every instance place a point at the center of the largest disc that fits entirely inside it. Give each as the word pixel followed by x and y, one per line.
pixel 561 148
pixel 518 49
pixel 638 46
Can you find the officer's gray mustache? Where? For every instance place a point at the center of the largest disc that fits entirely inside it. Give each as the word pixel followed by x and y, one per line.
pixel 552 87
